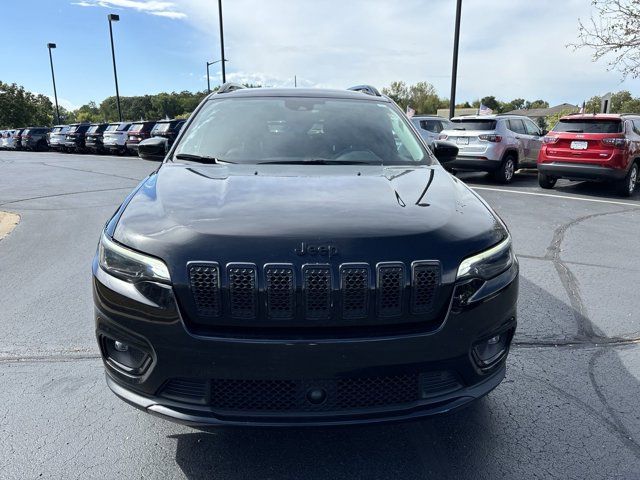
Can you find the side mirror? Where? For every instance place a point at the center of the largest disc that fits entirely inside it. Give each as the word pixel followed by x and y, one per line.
pixel 444 151
pixel 154 148
pixel 544 132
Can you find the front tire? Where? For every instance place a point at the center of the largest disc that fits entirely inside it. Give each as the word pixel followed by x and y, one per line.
pixel 506 171
pixel 545 181
pixel 627 185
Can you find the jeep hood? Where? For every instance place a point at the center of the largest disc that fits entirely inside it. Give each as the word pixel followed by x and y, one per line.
pixel 262 213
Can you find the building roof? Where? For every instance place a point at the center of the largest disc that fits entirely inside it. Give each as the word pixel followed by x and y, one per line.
pixel 544 112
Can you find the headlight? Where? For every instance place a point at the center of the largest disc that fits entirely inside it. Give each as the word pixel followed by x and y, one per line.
pixel 130 265
pixel 487 264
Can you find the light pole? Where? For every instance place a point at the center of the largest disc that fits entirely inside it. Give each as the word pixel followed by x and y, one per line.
pixel 208 65
pixel 112 17
pixel 224 74
pixel 454 69
pixel 53 77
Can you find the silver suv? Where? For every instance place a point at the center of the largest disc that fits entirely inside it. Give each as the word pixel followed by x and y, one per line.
pixel 430 126
pixel 499 144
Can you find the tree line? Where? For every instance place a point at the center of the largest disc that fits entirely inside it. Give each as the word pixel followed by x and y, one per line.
pixel 19 107
pixel 424 99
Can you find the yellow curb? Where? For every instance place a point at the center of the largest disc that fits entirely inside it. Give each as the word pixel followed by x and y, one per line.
pixel 8 222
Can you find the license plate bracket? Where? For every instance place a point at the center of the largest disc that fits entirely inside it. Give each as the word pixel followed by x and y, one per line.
pixel 462 141
pixel 579 145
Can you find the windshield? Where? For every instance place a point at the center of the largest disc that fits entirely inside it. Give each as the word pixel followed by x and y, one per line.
pixel 93 128
pixel 299 130
pixel 588 126
pixel 136 127
pixel 161 127
pixel 473 124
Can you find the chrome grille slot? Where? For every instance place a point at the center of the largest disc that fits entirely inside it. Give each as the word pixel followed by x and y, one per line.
pixel 242 290
pixel 354 288
pixel 317 291
pixel 280 291
pixel 390 284
pixel 204 281
pixel 425 278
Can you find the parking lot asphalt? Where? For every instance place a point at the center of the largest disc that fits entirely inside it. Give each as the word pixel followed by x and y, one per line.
pixel 568 407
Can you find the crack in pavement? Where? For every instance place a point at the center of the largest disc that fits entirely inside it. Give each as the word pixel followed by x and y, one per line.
pixel 619 424
pixel 92 171
pixel 49 358
pixel 622 434
pixel 65 194
pixel 585 328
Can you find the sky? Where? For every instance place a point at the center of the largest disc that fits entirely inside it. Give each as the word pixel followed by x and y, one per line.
pixel 508 48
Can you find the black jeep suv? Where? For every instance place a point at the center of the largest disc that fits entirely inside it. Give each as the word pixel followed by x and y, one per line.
pixel 301 258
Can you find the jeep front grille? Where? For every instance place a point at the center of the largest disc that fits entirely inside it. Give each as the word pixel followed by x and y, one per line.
pixel 391 279
pixel 280 290
pixel 317 291
pixel 242 290
pixel 205 288
pixel 279 293
pixel 354 288
pixel 425 278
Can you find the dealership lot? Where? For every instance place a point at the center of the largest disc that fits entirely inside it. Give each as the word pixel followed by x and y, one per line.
pixel 568 407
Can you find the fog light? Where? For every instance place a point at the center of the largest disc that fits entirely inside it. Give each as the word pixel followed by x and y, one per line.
pixel 489 351
pixel 125 357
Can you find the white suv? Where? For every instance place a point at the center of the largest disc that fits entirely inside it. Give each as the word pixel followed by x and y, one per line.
pixel 115 137
pixel 499 144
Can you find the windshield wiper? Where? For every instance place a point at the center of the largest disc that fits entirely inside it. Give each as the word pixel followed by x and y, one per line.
pixel 315 161
pixel 200 158
pixel 574 131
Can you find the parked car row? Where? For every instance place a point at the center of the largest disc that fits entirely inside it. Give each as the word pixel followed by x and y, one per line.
pixel 591 147
pixel 117 137
pixel 32 138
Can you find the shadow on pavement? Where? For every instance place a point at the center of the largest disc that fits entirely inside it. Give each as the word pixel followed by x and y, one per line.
pixel 408 450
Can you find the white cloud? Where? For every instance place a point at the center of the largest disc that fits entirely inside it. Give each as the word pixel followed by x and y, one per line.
pixel 152 7
pixel 508 49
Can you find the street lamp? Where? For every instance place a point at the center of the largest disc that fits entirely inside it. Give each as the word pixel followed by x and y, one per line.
pixel 454 69
pixel 112 17
pixel 208 65
pixel 224 74
pixel 55 93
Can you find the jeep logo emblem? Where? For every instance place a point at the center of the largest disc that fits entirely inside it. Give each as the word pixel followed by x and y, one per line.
pixel 321 250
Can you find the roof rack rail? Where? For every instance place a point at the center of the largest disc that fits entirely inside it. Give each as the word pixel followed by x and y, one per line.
pixel 368 89
pixel 229 87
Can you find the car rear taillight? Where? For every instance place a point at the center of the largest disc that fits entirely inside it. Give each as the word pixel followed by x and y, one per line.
pixel 550 140
pixel 490 138
pixel 615 142
pixel 443 136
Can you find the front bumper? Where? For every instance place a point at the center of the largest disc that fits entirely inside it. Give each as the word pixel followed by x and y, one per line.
pixel 440 362
pixel 581 171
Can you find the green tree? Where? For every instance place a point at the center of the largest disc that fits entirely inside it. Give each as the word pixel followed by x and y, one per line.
pixel 399 93
pixel 536 104
pixel 515 104
pixel 492 103
pixel 20 108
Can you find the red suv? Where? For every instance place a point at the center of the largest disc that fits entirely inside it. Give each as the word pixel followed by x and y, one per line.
pixel 599 147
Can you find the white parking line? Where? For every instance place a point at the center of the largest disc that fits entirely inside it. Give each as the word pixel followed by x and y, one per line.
pixel 612 202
